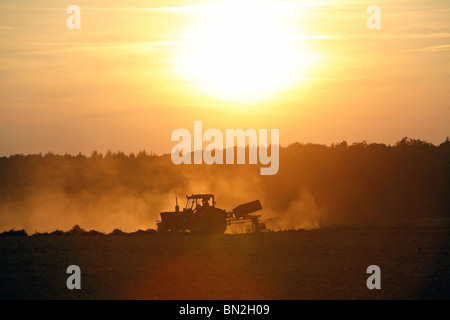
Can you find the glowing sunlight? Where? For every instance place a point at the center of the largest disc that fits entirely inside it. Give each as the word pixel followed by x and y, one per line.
pixel 243 52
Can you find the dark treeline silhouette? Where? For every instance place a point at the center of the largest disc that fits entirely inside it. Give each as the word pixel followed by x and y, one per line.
pixel 333 184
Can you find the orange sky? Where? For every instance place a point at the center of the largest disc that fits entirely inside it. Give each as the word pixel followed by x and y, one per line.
pixel 137 70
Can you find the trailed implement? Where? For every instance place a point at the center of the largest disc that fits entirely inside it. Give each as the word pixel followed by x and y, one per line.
pixel 202 216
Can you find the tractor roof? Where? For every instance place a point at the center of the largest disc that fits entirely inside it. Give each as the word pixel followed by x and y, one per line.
pixel 206 196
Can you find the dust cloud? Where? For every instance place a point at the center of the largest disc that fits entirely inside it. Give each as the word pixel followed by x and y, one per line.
pixel 52 211
pixel 316 186
pixel 101 201
pixel 302 213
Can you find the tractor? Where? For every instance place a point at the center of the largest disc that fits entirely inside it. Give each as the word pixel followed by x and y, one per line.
pixel 202 216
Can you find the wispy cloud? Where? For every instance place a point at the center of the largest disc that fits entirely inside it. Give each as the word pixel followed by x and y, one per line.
pixel 423 35
pixel 439 48
pixel 36 48
pixel 439 35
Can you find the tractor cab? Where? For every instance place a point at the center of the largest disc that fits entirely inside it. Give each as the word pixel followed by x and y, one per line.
pixel 198 201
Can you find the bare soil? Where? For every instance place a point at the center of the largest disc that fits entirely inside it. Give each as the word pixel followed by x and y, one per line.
pixel 327 263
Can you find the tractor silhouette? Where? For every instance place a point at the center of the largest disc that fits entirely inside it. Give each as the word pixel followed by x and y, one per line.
pixel 202 216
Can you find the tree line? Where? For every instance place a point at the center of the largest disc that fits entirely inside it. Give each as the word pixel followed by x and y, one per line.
pixel 361 182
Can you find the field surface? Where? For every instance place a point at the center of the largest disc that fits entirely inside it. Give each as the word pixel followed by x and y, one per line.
pixel 328 263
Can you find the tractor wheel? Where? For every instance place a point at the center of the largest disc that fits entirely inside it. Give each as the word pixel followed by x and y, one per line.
pixel 215 222
pixel 161 228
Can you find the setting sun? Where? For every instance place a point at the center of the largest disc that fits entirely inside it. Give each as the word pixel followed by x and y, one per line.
pixel 243 52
